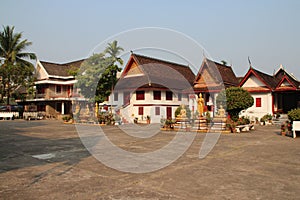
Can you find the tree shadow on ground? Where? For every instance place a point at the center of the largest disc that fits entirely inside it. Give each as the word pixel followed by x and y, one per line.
pixel 20 148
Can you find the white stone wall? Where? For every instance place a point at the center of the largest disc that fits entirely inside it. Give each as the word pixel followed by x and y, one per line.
pixel 149 104
pixel 266 106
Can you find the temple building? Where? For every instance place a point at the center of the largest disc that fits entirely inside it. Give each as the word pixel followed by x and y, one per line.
pixel 153 88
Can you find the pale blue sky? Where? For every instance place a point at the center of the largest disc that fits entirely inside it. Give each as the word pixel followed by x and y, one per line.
pixel 231 30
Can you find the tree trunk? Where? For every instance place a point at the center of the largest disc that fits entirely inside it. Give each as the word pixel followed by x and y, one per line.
pixel 7 97
pixel 8 93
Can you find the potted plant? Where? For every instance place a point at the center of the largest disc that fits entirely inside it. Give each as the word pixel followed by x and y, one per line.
pixel 283 129
pixel 256 120
pixel 231 125
pixel 148 119
pixel 169 123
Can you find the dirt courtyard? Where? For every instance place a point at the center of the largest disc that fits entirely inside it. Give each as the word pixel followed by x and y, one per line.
pixel 47 160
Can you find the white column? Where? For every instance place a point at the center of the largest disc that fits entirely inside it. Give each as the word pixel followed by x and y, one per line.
pixel 62 108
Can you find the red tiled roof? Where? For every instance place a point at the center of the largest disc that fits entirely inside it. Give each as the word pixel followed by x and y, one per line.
pixel 257 89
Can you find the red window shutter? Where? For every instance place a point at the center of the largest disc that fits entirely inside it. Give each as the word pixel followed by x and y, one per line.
pixel 156 95
pixel 258 102
pixel 140 95
pixel 169 95
pixel 157 110
pixel 141 110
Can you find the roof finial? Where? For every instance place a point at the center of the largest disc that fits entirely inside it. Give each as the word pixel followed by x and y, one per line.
pixel 203 53
pixel 131 51
pixel 250 65
pixel 281 67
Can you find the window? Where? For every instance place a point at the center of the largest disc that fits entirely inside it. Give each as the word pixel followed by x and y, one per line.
pixel 116 96
pixel 157 110
pixel 156 95
pixel 141 110
pixel 58 89
pixel 126 98
pixel 169 95
pixel 140 95
pixel 258 102
pixel 41 89
pixel 179 96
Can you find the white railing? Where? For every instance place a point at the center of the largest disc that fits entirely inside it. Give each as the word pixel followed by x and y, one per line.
pixel 10 115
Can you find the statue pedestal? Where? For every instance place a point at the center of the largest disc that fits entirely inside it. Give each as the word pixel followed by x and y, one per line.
pixel 200 124
pixel 182 123
pixel 218 123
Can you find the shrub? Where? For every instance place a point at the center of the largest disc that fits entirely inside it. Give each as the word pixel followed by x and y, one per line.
pixel 234 100
pixel 67 118
pixel 266 117
pixel 243 120
pixel 169 123
pixel 106 118
pixel 294 115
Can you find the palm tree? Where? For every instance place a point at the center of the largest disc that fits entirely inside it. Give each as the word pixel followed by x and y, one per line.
pixel 15 70
pixel 11 47
pixel 114 50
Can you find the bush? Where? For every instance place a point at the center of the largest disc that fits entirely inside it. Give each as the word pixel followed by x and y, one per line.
pixel 169 123
pixel 294 115
pixel 234 100
pixel 106 118
pixel 67 118
pixel 243 121
pixel 266 117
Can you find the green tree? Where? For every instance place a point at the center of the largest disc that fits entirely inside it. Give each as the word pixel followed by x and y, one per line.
pixel 234 100
pixel 15 70
pixel 102 70
pixel 113 50
pixel 294 115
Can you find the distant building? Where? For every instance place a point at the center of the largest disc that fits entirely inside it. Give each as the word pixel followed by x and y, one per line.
pixel 272 94
pixel 54 88
pixel 152 87
pixel 211 79
pixel 156 88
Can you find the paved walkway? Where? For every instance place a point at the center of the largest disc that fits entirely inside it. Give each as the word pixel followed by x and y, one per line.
pixel 46 160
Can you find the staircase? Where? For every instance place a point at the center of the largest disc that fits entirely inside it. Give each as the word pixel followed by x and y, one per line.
pixel 126 113
pixel 282 119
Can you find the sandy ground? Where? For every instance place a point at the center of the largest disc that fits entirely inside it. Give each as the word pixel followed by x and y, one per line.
pixel 260 164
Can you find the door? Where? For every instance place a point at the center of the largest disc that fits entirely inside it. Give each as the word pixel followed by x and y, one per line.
pixel 169 112
pixel 126 98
